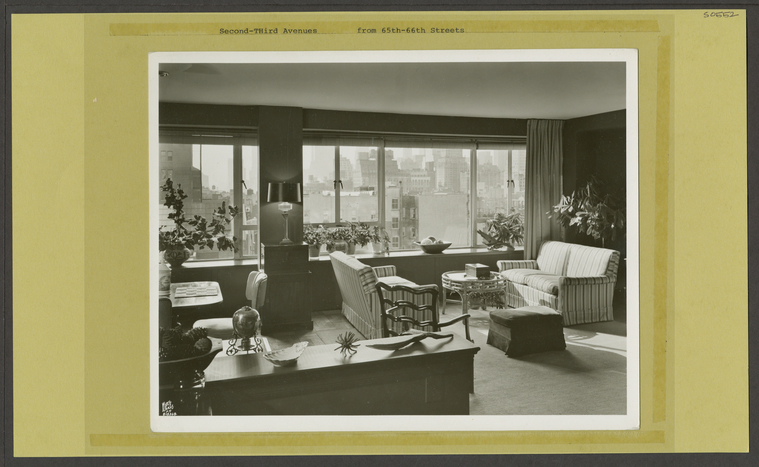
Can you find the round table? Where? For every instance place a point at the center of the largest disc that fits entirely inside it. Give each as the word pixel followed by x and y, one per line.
pixel 459 282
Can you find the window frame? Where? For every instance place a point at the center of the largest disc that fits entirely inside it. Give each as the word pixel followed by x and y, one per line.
pixel 238 139
pixel 382 141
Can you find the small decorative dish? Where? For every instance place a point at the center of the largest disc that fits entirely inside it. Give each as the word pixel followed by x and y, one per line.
pixel 433 247
pixel 288 356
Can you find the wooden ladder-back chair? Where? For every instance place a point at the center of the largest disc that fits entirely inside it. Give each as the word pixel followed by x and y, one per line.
pixel 406 307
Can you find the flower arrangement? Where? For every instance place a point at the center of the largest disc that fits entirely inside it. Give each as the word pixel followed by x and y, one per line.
pixel 503 230
pixel 314 236
pixel 189 233
pixel 360 233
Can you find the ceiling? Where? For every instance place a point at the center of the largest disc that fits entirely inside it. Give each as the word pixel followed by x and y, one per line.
pixel 559 90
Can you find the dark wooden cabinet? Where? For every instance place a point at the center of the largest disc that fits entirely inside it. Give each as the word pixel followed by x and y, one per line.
pixel 288 302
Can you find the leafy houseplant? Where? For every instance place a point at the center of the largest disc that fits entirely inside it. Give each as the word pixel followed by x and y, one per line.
pixel 360 234
pixel 503 231
pixel 337 238
pixel 177 243
pixel 380 239
pixel 593 212
pixel 315 238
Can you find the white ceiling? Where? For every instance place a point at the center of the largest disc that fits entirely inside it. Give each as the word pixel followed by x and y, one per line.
pixel 558 90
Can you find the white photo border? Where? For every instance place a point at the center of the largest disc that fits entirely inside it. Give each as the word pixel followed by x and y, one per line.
pixel 377 423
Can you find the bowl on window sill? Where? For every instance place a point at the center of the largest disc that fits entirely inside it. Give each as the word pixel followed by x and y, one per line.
pixel 433 247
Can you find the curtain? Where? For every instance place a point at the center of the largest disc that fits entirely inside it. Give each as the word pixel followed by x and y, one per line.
pixel 543 185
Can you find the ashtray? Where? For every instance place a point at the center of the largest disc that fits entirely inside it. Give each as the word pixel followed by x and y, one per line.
pixel 288 356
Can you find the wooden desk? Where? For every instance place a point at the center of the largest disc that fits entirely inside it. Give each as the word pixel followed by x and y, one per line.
pixel 431 377
pixel 183 306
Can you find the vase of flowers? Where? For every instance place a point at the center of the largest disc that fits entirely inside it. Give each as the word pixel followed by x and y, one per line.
pixel 178 243
pixel 337 239
pixel 360 235
pixel 314 238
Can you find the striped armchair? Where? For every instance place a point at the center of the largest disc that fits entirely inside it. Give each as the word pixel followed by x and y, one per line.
pixel 575 280
pixel 357 282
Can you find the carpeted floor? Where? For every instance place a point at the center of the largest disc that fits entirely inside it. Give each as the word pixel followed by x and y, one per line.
pixel 588 378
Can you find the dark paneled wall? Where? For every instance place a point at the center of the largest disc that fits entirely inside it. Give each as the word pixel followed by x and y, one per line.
pixel 418 124
pixel 595 145
pixel 280 149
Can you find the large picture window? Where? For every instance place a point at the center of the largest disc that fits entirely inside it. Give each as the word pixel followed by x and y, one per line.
pixel 413 187
pixel 214 168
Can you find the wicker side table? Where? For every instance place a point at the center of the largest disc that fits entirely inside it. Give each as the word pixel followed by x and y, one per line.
pixel 459 282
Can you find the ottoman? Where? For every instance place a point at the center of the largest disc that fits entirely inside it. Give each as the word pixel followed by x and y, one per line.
pixel 526 330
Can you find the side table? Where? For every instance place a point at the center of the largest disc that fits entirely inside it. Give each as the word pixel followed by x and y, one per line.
pixel 188 297
pixel 459 282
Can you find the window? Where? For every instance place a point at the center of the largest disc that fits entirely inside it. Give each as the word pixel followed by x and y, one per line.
pixel 214 168
pixel 432 185
pixel 500 182
pixel 340 183
pixel 415 187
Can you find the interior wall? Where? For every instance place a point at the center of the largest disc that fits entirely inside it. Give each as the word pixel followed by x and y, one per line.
pixel 595 146
pixel 280 149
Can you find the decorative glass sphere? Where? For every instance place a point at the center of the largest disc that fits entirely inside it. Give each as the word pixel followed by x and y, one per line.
pixel 247 322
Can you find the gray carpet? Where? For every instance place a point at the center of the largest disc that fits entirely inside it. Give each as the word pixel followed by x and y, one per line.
pixel 588 378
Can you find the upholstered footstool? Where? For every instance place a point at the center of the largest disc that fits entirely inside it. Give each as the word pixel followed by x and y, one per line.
pixel 526 330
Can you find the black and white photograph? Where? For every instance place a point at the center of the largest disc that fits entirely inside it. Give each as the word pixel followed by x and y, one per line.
pixel 440 240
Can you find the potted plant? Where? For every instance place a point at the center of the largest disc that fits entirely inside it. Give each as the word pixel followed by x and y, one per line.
pixel 380 240
pixel 503 231
pixel 360 234
pixel 315 238
pixel 337 239
pixel 593 212
pixel 177 244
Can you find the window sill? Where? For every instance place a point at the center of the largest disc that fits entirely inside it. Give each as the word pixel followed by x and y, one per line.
pixel 253 262
pixel 220 263
pixel 412 253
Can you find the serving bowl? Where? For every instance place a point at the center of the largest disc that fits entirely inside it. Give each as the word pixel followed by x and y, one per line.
pixel 288 356
pixel 433 247
pixel 185 369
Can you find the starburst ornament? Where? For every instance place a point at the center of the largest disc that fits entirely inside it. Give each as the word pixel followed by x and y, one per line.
pixel 347 344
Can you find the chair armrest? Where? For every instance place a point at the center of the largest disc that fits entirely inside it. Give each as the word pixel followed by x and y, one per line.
pixel 505 265
pixel 464 317
pixel 385 271
pixel 591 280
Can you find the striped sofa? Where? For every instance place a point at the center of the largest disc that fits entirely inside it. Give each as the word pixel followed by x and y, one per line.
pixel 357 281
pixel 575 280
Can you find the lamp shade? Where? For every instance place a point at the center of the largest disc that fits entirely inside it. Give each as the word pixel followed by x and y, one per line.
pixel 284 192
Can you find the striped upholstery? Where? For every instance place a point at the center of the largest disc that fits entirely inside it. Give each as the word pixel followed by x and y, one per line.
pixel 505 265
pixel 586 261
pixel 582 293
pixel 552 258
pixel 357 282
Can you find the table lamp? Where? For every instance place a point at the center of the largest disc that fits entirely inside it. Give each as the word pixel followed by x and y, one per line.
pixel 285 194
